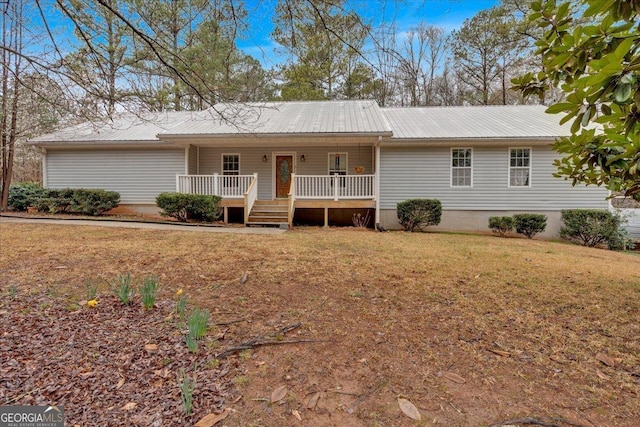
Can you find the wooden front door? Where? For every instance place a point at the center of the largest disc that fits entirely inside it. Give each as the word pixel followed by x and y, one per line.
pixel 284 169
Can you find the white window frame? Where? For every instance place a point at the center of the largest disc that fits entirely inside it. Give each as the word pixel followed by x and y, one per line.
pixel 222 170
pixel 511 168
pixel 346 162
pixel 452 168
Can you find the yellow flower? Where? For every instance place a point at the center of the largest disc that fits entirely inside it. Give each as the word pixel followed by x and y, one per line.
pixel 92 303
pixel 179 292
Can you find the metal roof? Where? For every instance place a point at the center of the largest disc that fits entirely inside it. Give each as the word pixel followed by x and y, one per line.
pixel 310 117
pixel 320 117
pixel 487 122
pixel 124 127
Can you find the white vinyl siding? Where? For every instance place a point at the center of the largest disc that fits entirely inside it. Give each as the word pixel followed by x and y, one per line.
pixel 193 160
pixel 520 167
pixel 461 167
pixel 139 175
pixel 423 172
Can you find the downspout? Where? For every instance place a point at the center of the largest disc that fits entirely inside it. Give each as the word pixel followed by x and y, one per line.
pixel 377 181
pixel 44 168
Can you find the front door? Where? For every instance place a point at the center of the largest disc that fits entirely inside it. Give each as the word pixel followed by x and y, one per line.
pixel 284 168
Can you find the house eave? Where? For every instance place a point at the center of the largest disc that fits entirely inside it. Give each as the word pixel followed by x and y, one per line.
pixel 274 139
pixel 467 141
pixel 103 144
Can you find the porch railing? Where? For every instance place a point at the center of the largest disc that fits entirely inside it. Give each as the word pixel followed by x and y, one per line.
pixel 250 197
pixel 334 187
pixel 292 200
pixel 228 186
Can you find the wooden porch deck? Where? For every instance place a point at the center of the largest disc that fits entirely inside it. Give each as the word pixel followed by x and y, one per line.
pixel 305 192
pixel 325 204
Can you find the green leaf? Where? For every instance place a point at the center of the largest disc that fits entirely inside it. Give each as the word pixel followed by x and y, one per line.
pixel 587 116
pixel 628 78
pixel 559 107
pixel 622 93
pixel 623 49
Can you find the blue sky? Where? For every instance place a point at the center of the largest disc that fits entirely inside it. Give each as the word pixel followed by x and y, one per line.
pixel 449 14
pixel 403 14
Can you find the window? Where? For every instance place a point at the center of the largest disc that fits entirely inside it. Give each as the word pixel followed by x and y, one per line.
pixel 461 167
pixel 337 163
pixel 519 167
pixel 231 164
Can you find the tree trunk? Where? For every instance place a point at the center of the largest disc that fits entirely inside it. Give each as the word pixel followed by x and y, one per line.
pixel 8 137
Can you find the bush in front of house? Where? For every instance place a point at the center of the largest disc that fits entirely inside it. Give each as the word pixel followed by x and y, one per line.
pixel 94 202
pixel 415 214
pixel 501 225
pixel 529 224
pixel 79 201
pixel 592 227
pixel 184 207
pixel 24 194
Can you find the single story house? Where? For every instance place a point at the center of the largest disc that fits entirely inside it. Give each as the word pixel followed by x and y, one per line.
pixel 319 162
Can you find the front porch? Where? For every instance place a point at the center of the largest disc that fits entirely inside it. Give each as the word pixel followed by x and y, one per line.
pixel 298 192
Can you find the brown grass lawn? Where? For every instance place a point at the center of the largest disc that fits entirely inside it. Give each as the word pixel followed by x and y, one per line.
pixel 473 330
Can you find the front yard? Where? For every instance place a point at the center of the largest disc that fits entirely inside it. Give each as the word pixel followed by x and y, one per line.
pixel 473 330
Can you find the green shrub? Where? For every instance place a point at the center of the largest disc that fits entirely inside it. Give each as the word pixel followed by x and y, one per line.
pixel 592 227
pixel 415 214
pixel 620 241
pixel 55 201
pixel 77 201
pixel 529 224
pixel 24 194
pixel 501 225
pixel 184 207
pixel 93 202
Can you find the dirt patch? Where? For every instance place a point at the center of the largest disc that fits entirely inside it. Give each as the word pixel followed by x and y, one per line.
pixel 473 330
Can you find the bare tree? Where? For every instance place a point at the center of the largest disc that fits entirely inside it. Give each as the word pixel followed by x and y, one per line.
pixel 12 68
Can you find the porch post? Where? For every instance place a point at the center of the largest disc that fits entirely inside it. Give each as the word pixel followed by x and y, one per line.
pixel 376 184
pixel 186 160
pixel 215 185
pixel 335 187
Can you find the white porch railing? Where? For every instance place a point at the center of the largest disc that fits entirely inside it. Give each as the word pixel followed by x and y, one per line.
pixel 334 187
pixel 292 200
pixel 228 186
pixel 250 197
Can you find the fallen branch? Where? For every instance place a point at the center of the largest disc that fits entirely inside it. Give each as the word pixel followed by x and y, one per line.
pixel 270 339
pixel 253 345
pixel 231 322
pixel 535 422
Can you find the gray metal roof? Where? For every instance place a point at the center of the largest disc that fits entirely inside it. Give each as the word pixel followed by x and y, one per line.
pixel 124 127
pixel 321 117
pixel 310 117
pixel 489 122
